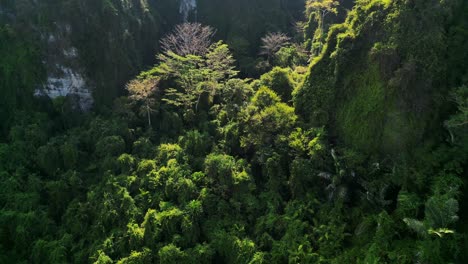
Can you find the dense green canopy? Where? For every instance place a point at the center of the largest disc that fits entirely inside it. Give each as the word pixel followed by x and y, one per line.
pixel 348 144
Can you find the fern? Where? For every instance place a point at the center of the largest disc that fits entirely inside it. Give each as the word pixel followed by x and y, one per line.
pixel 440 212
pixel 417 226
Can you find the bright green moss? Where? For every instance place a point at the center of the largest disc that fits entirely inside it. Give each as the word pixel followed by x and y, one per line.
pixel 369 117
pixel 250 181
pixel 361 117
pixel 401 130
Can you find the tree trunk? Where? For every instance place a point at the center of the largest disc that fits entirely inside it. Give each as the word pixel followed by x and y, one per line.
pixel 198 101
pixel 149 116
pixel 322 28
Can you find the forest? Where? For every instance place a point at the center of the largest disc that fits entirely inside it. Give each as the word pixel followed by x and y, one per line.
pixel 260 131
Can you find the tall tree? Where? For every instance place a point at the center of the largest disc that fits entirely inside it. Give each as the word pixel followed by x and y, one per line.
pixel 143 90
pixel 187 72
pixel 272 43
pixel 196 75
pixel 188 39
pixel 322 9
pixel 457 124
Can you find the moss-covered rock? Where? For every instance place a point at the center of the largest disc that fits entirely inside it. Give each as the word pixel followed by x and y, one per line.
pixel 375 83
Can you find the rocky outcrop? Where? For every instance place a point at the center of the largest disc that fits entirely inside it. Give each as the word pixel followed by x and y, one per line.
pixel 65 75
pixel 186 8
pixel 91 48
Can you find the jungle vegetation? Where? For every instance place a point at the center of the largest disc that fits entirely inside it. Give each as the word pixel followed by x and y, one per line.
pixel 340 138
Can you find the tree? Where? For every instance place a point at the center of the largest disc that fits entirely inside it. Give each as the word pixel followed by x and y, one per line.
pixel 187 72
pixel 457 124
pixel 196 74
pixel 228 175
pixel 272 43
pixel 279 80
pixel 266 123
pixel 220 62
pixel 143 90
pixel 220 68
pixel 291 56
pixel 172 254
pixel 440 214
pixel 188 38
pixel 322 9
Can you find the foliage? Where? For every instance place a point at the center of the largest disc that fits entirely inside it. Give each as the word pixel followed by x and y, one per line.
pixel 196 76
pixel 273 42
pixel 366 165
pixel 19 73
pixel 291 56
pixel 320 9
pixel 144 90
pixel 280 81
pixel 458 123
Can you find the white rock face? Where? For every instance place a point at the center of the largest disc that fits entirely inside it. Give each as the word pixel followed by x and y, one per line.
pixel 6 14
pixel 186 7
pixel 71 52
pixel 68 83
pixel 64 74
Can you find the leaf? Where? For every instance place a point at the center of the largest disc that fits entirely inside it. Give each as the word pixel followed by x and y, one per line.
pixel 416 225
pixel 441 212
pixel 440 232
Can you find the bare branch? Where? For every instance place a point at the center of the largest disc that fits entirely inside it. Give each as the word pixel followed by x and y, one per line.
pixel 188 39
pixel 273 42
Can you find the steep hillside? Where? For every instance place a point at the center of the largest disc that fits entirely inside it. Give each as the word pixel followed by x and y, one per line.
pixel 90 49
pixel 383 79
pixel 275 131
pixel 79 40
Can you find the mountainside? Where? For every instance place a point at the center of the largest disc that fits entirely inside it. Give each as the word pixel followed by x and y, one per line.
pixel 381 81
pixel 206 131
pixel 78 40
